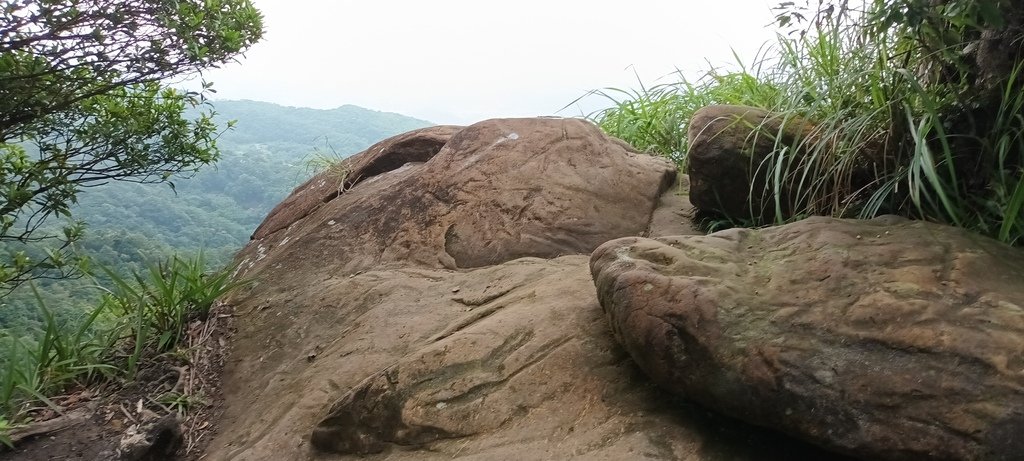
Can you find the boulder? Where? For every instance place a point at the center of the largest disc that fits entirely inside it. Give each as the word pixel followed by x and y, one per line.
pixel 344 349
pixel 496 191
pixel 728 159
pixel 883 339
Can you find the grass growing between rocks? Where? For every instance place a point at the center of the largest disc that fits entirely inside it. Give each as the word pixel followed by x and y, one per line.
pixel 332 165
pixel 654 119
pixel 908 118
pixel 140 318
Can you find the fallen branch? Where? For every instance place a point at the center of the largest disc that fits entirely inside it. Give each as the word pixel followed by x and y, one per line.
pixel 50 426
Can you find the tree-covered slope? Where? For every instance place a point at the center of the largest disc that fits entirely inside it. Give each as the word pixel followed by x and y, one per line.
pixel 263 158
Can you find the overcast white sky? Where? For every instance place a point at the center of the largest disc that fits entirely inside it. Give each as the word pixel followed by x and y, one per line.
pixel 454 61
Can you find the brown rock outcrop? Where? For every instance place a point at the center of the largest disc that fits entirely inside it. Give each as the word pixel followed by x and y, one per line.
pixel 883 339
pixel 344 349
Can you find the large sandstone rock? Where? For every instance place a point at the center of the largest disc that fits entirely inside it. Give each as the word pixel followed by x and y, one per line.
pixel 881 339
pixel 496 191
pixel 730 159
pixel 346 351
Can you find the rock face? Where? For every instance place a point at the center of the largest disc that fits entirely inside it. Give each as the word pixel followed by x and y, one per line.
pixel 519 348
pixel 444 310
pixel 881 339
pixel 726 158
pixel 494 192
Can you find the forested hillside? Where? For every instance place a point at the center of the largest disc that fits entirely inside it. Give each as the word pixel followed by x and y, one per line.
pixel 270 150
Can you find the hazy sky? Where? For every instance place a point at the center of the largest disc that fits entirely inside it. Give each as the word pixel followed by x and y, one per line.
pixel 463 61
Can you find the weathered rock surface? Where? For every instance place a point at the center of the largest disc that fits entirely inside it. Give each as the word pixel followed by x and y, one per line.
pixel 883 339
pixel 344 351
pixel 496 191
pixel 389 154
pixel 728 146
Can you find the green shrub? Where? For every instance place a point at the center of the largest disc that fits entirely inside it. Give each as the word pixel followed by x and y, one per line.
pixel 57 356
pixel 139 317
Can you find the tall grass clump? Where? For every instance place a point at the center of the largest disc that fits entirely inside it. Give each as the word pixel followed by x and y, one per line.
pixel 140 317
pixel 843 83
pixel 332 165
pixel 153 308
pixel 34 368
pixel 654 119
pixel 916 110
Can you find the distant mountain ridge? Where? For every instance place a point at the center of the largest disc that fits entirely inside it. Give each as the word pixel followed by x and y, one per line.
pixel 264 122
